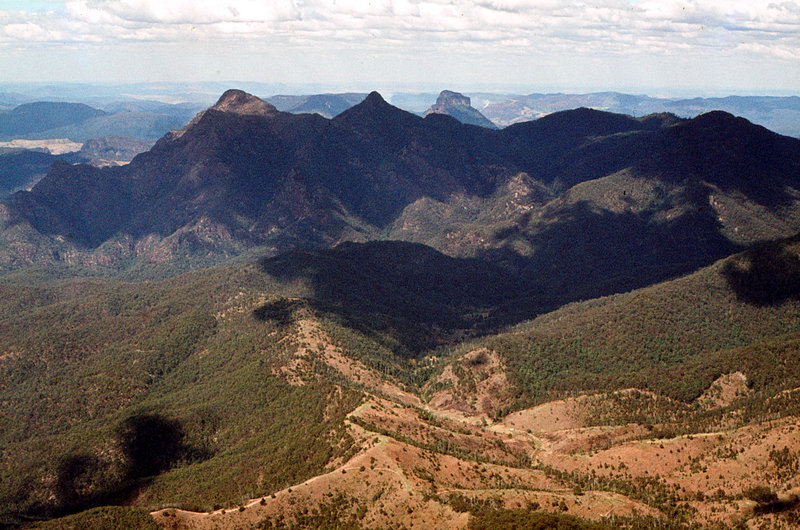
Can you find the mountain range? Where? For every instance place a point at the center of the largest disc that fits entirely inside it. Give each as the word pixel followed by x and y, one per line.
pixel 80 122
pixel 779 114
pixel 330 105
pixel 270 319
pixel 243 177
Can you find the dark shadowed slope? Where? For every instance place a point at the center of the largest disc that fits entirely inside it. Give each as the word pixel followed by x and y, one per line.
pixel 409 292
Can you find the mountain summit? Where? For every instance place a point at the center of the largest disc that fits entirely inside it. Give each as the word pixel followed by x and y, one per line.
pixel 459 107
pixel 376 112
pixel 240 102
pixel 449 98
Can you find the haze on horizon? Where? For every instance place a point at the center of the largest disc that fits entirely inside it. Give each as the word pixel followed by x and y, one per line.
pixel 661 47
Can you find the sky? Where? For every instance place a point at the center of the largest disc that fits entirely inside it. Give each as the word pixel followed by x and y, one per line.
pixel 658 47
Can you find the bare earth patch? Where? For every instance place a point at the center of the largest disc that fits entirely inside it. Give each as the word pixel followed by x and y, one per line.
pixel 423 465
pixel 724 391
pixel 54 146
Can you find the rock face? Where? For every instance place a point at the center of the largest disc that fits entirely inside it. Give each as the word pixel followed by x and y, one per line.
pixel 459 107
pixel 113 150
pixel 448 98
pixel 240 102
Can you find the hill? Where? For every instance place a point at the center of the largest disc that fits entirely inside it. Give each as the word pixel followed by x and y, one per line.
pixel 144 126
pixel 111 150
pixel 219 388
pixel 126 412
pixel 32 118
pixel 673 338
pixel 79 122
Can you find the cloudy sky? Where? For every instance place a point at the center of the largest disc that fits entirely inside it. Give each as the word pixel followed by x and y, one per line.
pixel 660 47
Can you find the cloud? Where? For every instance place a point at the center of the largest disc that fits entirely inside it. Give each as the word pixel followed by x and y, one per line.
pixel 643 29
pixel 758 49
pixel 31 32
pixel 659 22
pixel 190 11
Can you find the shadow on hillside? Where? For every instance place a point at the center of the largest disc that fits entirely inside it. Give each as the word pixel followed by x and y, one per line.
pixel 404 291
pixel 728 152
pixel 280 311
pixel 778 506
pixel 583 252
pixel 766 275
pixel 147 445
pixel 421 298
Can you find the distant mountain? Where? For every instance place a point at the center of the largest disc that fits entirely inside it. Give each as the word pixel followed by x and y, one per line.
pixel 414 102
pixel 626 201
pixel 780 114
pixel 144 126
pixel 139 106
pixel 79 122
pixel 110 150
pixel 327 105
pixel 32 118
pixel 458 106
pixel 9 100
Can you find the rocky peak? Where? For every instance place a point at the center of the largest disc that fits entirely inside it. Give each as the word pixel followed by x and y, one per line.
pixel 232 101
pixel 372 108
pixel 240 102
pixel 374 100
pixel 448 98
pixel 459 107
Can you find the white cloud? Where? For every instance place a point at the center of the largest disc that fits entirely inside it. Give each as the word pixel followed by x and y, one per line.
pixel 701 29
pixel 31 32
pixel 784 53
pixel 184 11
pixel 550 23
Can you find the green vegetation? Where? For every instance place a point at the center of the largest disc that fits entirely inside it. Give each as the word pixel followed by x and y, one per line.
pixel 406 297
pixel 166 389
pixel 761 494
pixel 172 392
pixel 674 338
pixel 104 518
pixel 650 490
